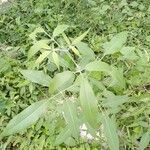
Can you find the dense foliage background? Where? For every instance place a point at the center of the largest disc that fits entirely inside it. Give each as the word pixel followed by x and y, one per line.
pixel 83 67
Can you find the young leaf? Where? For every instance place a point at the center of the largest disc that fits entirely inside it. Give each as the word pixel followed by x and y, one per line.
pixel 98 65
pixel 26 118
pixel 75 50
pixel 42 57
pixel 144 141
pixel 88 102
pixel 59 29
pixel 42 44
pixel 115 44
pixel 36 77
pixel 110 132
pixel 70 114
pixel 55 58
pixel 80 38
pixel 61 81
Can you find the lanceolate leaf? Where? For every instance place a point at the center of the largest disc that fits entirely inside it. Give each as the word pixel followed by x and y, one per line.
pixel 144 141
pixel 61 81
pixel 26 118
pixel 42 57
pixel 36 77
pixel 70 114
pixel 80 38
pixel 88 102
pixel 117 77
pixel 65 133
pixel 110 132
pixel 98 65
pixel 115 101
pixel 115 44
pixel 59 29
pixel 55 58
pixel 38 45
pixel 75 50
pixel 85 51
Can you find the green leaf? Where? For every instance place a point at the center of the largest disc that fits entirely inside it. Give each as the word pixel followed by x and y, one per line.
pixel 3 105
pixel 85 51
pixel 4 65
pixel 128 53
pixel 55 58
pixel 26 118
pixel 70 142
pixel 65 133
pixel 88 102
pixel 117 78
pixel 33 35
pixel 110 132
pixel 36 77
pixel 61 81
pixel 113 101
pixel 98 65
pixel 80 38
pixel 42 57
pixel 144 141
pixel 115 44
pixel 74 50
pixel 70 114
pixel 59 29
pixel 42 44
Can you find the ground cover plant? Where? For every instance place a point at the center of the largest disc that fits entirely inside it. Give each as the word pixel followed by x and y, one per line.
pixel 74 74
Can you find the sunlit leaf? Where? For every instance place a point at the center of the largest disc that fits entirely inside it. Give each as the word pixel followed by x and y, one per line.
pixel 36 77
pixel 115 101
pixel 117 77
pixel 144 141
pixel 128 53
pixel 64 134
pixel 88 102
pixel 70 142
pixel 42 57
pixel 55 58
pixel 70 114
pixel 59 29
pixel 110 132
pixel 33 35
pixel 98 65
pixel 61 81
pixel 80 38
pixel 26 118
pixel 42 44
pixel 115 44
pixel 85 51
pixel 75 50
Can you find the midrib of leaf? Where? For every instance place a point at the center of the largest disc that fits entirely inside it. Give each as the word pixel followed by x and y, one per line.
pixel 26 118
pixel 72 118
pixel 87 98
